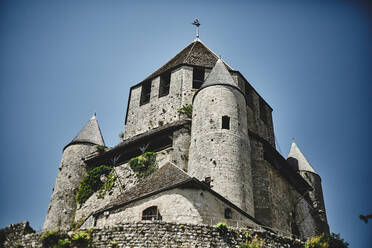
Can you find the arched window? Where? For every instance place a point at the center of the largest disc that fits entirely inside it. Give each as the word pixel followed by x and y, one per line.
pixel 151 213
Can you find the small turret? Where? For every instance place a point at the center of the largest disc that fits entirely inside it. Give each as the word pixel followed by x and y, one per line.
pixel 62 205
pixel 220 148
pixel 299 162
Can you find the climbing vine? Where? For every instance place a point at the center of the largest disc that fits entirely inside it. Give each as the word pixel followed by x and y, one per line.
pixel 144 165
pixel 186 110
pixel 107 186
pixel 92 182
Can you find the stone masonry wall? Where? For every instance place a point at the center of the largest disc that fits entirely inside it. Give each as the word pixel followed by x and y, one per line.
pixel 178 205
pixel 62 205
pixel 222 154
pixel 161 234
pixel 126 179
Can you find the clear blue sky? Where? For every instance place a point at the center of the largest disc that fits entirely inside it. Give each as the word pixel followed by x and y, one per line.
pixel 61 61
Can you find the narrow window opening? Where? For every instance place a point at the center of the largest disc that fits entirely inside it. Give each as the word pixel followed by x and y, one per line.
pixel 228 213
pixel 263 114
pixel 164 84
pixel 146 92
pixel 151 213
pixel 197 77
pixel 225 122
pixel 249 95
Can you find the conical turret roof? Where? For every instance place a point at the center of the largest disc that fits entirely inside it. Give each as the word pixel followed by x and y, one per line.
pixel 195 54
pixel 219 75
pixel 302 163
pixel 91 133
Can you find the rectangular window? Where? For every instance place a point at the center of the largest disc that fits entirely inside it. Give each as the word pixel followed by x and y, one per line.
pixel 197 77
pixel 146 92
pixel 164 84
pixel 263 114
pixel 225 122
pixel 249 95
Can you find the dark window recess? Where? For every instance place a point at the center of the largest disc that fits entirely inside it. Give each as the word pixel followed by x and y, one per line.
pixel 164 84
pixel 249 95
pixel 151 213
pixel 197 77
pixel 228 213
pixel 145 93
pixel 225 122
pixel 263 114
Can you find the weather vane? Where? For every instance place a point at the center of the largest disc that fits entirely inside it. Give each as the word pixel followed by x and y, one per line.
pixel 197 24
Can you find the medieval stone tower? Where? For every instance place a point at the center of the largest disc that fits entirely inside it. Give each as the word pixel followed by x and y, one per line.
pixel 62 206
pixel 220 149
pixel 225 168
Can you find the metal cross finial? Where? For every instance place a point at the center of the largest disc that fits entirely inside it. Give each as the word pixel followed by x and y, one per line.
pixel 197 24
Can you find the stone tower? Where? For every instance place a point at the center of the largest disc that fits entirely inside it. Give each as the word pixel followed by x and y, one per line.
pixel 62 205
pixel 220 147
pixel 299 162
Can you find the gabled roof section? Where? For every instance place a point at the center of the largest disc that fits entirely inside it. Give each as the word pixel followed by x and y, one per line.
pixel 164 177
pixel 300 161
pixel 196 54
pixel 91 133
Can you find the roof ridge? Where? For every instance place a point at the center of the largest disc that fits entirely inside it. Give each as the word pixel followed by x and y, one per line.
pixel 218 57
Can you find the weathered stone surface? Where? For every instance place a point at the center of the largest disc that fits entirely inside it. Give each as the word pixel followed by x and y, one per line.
pixel 62 205
pixel 187 206
pixel 161 234
pixel 222 154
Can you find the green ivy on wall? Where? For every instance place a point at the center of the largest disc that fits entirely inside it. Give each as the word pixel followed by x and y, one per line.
pixel 91 182
pixel 144 165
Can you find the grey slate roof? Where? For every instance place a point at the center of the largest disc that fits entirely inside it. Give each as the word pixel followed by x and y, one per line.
pixel 167 177
pixel 91 133
pixel 164 177
pixel 196 54
pixel 219 75
pixel 301 162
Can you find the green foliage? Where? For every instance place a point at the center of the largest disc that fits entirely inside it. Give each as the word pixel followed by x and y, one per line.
pixel 335 241
pixel 319 241
pixel 91 182
pixel 114 244
pixel 186 110
pixel 64 243
pixel 81 239
pixel 107 186
pixel 255 242
pixel 76 224
pixel 19 245
pixel 121 135
pixel 221 227
pixel 100 149
pixel 51 239
pixel 144 165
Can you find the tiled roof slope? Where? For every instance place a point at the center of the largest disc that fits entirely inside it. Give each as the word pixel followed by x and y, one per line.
pixel 164 177
pixel 91 133
pixel 196 54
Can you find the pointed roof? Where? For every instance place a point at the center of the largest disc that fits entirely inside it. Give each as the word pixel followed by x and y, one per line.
pixel 196 54
pixel 301 162
pixel 219 75
pixel 91 133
